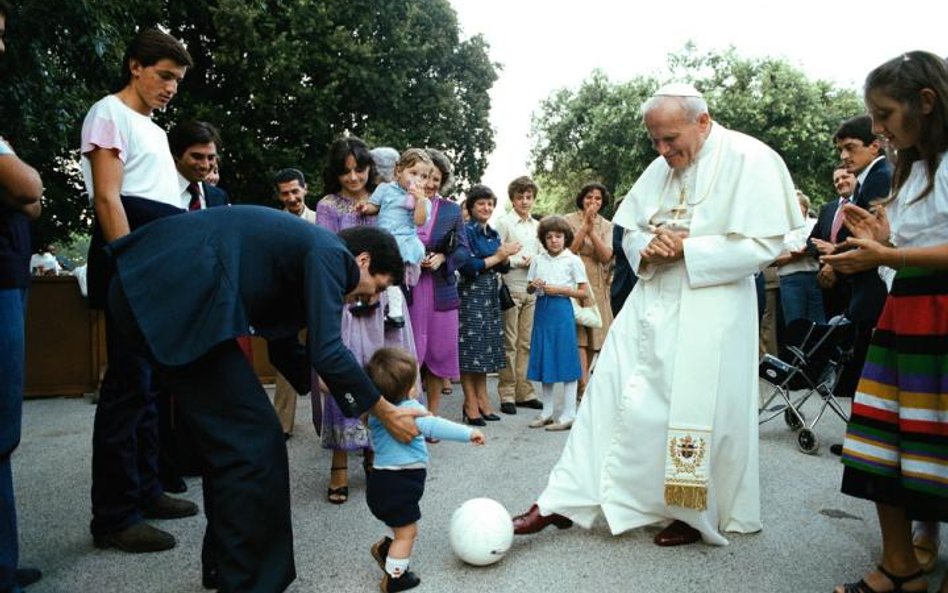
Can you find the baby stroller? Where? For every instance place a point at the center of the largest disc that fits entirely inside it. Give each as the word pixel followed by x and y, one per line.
pixel 811 360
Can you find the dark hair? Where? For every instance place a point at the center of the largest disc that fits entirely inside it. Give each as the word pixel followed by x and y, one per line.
pixel 902 79
pixel 149 47
pixel 556 223
pixel 4 9
pixel 586 189
pixel 447 172
pixel 287 175
pixel 858 128
pixel 381 247
pixel 394 372
pixel 520 185
pixel 478 192
pixel 190 133
pixel 338 152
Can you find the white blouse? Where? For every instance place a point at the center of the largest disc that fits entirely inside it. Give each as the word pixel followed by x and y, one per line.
pixel 921 222
pixel 566 269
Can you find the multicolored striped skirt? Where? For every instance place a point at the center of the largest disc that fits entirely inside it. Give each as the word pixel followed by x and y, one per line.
pixel 896 448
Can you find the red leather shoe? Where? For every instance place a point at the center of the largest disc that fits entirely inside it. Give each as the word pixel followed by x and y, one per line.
pixel 533 522
pixel 678 533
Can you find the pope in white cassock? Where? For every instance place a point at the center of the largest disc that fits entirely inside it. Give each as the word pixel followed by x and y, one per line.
pixel 667 430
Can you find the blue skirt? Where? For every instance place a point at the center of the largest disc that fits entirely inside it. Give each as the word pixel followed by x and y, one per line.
pixel 554 354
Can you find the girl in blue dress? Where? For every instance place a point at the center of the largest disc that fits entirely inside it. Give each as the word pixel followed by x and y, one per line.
pixel 556 275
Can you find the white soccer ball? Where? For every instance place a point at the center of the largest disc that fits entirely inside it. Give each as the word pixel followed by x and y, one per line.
pixel 481 531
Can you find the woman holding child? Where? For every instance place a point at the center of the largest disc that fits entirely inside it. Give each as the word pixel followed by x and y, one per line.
pixel 348 180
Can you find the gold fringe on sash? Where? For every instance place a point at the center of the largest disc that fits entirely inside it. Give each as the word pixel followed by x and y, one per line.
pixel 687 496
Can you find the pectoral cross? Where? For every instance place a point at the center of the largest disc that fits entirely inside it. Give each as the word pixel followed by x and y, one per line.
pixel 682 208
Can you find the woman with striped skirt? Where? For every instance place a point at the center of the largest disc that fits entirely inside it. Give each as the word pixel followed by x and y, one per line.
pixel 896 447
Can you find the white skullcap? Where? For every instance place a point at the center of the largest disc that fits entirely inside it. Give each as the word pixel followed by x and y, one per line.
pixel 678 89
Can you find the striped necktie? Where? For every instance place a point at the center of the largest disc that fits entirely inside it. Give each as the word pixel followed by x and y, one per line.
pixel 195 203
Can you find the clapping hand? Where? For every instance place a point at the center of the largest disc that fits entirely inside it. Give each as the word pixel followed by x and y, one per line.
pixel 857 255
pixel 823 247
pixel 865 224
pixel 508 249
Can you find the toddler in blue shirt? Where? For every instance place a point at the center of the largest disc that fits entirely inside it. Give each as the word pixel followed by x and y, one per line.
pixel 402 207
pixel 397 480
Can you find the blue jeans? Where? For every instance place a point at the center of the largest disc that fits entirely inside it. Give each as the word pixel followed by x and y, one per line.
pixel 801 297
pixel 12 359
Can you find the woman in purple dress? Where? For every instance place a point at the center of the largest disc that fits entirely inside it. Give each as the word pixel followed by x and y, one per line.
pixel 435 302
pixel 349 181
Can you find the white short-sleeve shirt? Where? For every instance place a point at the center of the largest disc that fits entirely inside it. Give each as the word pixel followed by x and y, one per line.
pixel 566 269
pixel 142 145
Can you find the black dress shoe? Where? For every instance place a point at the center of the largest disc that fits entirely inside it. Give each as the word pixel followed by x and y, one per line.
pixel 533 404
pixel 490 417
pixel 27 576
pixel 532 521
pixel 473 421
pixel 678 533
pixel 508 408
pixel 137 539
pixel 167 507
pixel 174 485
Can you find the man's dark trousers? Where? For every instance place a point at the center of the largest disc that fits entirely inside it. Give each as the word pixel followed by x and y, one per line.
pixel 243 451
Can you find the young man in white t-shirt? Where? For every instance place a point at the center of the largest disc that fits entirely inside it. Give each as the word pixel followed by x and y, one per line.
pixel 131 179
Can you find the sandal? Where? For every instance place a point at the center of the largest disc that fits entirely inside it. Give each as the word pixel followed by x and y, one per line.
pixel 926 551
pixel 341 494
pixel 897 582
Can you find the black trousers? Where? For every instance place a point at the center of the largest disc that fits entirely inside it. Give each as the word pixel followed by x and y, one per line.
pixel 849 379
pixel 246 475
pixel 124 437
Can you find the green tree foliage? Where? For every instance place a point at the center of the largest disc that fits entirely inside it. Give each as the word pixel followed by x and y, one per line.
pixel 596 133
pixel 280 78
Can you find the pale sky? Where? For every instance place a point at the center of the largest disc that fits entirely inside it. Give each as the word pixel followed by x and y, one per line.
pixel 547 45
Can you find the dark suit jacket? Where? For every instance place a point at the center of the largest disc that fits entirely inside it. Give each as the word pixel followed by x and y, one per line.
pixel 214 196
pixel 823 227
pixel 623 278
pixel 868 290
pixel 139 212
pixel 198 280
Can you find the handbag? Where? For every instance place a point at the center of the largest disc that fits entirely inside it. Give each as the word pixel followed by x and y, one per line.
pixel 506 301
pixel 448 243
pixel 587 316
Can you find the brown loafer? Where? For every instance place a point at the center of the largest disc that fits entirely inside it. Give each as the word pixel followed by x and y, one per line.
pixel 533 522
pixel 678 533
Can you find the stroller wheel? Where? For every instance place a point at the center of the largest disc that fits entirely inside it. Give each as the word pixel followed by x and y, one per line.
pixel 807 441
pixel 792 420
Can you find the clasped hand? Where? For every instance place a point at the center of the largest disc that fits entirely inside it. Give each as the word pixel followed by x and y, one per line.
pixel 665 247
pixel 432 261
